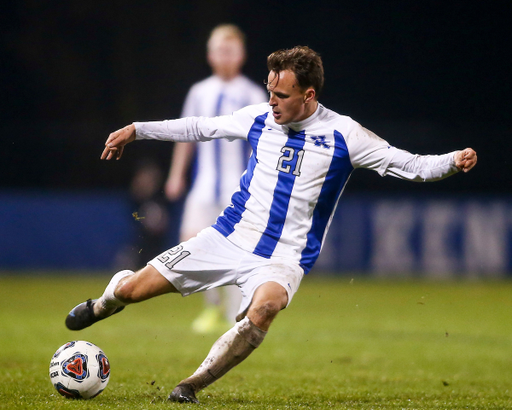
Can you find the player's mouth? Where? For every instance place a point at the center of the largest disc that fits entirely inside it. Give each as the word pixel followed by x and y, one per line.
pixel 276 115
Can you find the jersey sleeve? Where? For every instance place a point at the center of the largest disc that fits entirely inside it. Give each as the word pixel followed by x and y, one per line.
pixel 421 168
pixel 367 150
pixel 190 129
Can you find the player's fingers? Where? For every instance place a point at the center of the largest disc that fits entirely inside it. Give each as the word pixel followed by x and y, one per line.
pixel 469 165
pixel 470 159
pixel 459 160
pixel 119 153
pixel 109 153
pixel 105 153
pixel 111 140
pixel 465 160
pixel 469 153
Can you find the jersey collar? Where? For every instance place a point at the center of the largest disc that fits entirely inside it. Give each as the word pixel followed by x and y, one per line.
pixel 301 125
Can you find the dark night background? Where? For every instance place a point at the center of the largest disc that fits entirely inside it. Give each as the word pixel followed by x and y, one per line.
pixel 429 77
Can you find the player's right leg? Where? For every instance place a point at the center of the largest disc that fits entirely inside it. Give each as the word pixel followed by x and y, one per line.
pixel 236 344
pixel 267 287
pixel 124 288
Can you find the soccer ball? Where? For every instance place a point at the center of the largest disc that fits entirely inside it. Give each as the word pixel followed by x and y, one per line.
pixel 79 370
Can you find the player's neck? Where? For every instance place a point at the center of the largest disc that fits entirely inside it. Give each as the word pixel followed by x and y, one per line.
pixel 304 120
pixel 309 110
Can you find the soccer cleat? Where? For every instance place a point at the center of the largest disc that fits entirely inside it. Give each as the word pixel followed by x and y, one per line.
pixel 183 393
pixel 82 315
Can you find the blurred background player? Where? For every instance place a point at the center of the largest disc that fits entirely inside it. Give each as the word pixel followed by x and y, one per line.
pixel 219 163
pixel 149 217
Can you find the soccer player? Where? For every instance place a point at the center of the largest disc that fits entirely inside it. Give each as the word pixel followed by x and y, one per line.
pixel 219 163
pixel 271 233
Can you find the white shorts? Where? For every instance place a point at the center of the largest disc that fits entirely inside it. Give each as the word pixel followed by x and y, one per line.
pixel 209 260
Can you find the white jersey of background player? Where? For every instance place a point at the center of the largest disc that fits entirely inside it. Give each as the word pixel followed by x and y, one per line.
pixel 218 164
pixel 271 233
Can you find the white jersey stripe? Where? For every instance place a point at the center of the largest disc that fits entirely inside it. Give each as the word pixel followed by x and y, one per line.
pixel 335 181
pixel 288 164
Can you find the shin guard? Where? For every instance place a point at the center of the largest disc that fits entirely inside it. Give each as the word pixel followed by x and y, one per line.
pixel 108 302
pixel 229 350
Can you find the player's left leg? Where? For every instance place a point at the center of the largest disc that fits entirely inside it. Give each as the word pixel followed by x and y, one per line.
pixel 237 343
pixel 124 288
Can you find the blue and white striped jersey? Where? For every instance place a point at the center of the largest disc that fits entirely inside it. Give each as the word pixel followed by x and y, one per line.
pixel 295 175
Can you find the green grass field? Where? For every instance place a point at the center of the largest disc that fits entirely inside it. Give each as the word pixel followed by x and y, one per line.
pixel 343 343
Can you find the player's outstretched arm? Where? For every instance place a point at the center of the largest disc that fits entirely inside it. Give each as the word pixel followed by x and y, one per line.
pixel 116 141
pixel 465 160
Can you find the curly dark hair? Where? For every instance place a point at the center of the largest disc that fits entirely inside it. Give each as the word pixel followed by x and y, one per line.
pixel 304 62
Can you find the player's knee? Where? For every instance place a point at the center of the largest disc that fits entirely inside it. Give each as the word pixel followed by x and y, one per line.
pixel 268 300
pixel 263 313
pixel 269 309
pixel 126 292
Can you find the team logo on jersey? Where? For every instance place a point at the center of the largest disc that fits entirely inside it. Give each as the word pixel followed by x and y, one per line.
pixel 320 141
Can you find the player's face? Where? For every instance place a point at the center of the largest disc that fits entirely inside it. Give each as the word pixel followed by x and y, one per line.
pixel 289 103
pixel 226 56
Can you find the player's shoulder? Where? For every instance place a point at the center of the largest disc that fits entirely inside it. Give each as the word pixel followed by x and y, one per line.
pixel 249 113
pixel 255 109
pixel 342 123
pixel 354 134
pixel 247 116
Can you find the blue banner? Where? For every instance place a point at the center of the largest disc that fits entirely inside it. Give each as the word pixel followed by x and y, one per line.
pixel 438 237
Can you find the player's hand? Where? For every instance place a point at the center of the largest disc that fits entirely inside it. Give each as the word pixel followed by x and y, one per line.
pixel 116 141
pixel 465 160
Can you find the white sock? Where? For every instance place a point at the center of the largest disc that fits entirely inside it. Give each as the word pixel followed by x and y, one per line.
pixel 107 303
pixel 229 350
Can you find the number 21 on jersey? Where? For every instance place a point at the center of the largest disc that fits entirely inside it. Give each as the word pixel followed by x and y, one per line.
pixel 290 161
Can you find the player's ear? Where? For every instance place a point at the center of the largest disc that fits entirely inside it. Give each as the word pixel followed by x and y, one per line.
pixel 309 95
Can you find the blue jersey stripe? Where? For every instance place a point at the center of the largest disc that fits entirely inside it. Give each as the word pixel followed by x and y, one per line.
pixel 335 180
pixel 233 214
pixel 282 194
